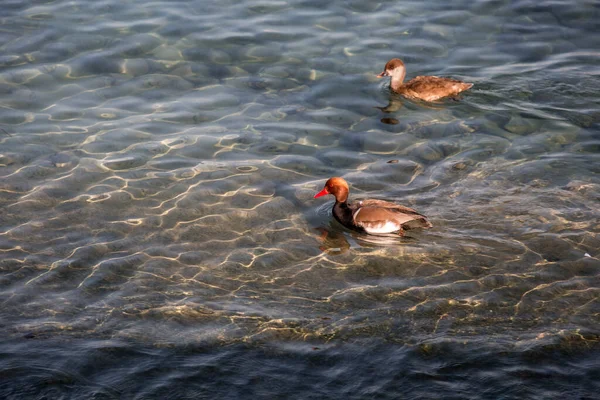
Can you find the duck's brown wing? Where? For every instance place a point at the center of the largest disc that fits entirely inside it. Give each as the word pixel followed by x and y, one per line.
pixel 431 88
pixel 378 211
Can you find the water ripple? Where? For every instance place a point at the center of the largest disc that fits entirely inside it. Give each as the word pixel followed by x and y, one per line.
pixel 157 169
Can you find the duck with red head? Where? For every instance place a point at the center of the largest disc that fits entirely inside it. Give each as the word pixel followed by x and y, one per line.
pixel 428 88
pixel 371 216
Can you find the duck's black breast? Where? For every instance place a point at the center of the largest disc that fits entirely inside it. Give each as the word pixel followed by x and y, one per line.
pixel 344 214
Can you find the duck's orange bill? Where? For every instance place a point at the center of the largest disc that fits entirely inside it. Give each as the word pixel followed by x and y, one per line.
pixel 321 193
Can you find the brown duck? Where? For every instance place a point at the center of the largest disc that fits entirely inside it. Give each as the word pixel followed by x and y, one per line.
pixel 371 216
pixel 428 88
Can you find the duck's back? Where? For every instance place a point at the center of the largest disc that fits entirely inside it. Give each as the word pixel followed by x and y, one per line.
pixel 430 88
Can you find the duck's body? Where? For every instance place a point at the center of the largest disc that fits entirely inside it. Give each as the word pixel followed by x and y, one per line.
pixel 371 216
pixel 427 88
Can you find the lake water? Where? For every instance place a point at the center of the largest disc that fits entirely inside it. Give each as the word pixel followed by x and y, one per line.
pixel 159 236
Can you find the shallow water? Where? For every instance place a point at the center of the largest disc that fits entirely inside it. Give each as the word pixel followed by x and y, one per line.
pixel 158 235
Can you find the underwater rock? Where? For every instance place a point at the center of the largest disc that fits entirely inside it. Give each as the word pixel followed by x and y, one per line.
pixel 522 126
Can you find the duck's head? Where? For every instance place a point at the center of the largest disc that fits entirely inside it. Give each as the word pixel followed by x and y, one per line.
pixel 336 186
pixel 394 68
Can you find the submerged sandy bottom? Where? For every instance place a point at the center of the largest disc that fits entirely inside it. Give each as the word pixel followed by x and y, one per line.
pixel 158 235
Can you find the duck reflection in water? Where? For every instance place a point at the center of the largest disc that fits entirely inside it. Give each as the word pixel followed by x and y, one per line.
pixel 396 102
pixel 335 240
pixel 332 241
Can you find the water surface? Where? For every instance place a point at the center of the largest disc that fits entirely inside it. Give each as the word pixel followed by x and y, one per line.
pixel 158 235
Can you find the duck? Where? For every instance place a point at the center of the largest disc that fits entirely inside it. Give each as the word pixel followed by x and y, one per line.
pixel 375 217
pixel 427 88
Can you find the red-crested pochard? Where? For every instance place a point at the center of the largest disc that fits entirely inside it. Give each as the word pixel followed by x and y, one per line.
pixel 371 216
pixel 428 88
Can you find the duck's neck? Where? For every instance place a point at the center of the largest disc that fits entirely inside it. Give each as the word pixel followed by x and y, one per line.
pixel 343 213
pixel 397 78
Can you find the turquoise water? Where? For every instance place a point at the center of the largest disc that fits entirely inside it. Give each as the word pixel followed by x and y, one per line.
pixel 159 236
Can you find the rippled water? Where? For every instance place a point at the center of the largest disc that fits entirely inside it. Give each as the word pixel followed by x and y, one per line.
pixel 158 235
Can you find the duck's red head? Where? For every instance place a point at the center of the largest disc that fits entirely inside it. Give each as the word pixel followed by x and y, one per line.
pixel 337 187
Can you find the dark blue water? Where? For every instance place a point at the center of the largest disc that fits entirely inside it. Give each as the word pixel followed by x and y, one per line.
pixel 159 236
